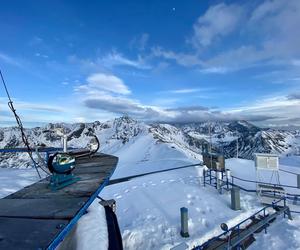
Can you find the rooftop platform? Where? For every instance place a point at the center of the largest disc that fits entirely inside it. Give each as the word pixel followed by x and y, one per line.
pixel 36 217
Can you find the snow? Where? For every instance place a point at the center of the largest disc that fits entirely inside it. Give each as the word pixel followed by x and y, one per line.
pixel 148 208
pixel 245 169
pixel 12 180
pixel 90 232
pixel 149 217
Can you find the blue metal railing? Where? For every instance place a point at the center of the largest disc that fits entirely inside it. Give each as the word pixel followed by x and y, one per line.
pixel 46 150
pixel 213 179
pixel 237 227
pixel 265 183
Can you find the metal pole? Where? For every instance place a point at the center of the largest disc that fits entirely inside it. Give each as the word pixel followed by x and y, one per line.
pixel 184 222
pixel 204 175
pixel 298 180
pixel 235 198
pixel 65 146
pixel 219 181
pixel 237 147
pixel 228 174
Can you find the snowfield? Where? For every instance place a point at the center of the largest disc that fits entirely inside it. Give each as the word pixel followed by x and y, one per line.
pixel 148 208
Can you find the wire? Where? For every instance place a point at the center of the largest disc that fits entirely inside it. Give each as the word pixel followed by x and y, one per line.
pixel 23 135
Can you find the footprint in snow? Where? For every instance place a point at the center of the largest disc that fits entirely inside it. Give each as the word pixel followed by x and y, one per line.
pixel 198 209
pixel 119 197
pixel 153 184
pixel 162 181
pixel 134 187
pixel 126 190
pixel 191 203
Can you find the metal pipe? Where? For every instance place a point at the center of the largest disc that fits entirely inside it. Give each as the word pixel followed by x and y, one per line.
pixel 184 222
pixel 65 143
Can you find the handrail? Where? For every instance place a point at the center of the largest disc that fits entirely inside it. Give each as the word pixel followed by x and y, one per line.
pixel 25 150
pixel 288 196
pixel 287 171
pixel 237 226
pixel 260 182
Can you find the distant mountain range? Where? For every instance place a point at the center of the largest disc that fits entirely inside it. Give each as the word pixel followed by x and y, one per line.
pixel 187 138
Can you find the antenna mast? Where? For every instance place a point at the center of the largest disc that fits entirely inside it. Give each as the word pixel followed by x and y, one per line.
pixel 237 147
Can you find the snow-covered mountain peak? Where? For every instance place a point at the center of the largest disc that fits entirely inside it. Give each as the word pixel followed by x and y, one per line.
pixel 187 138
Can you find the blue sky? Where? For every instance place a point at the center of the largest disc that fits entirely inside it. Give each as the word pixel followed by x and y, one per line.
pixel 171 61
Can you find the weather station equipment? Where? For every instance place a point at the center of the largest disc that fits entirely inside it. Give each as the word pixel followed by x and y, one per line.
pixel 267 176
pixel 62 164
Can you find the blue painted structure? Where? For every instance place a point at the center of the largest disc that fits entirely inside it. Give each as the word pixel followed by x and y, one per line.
pixel 108 164
pixel 59 238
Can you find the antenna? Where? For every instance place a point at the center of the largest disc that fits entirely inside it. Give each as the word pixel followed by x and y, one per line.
pixel 237 145
pixel 210 144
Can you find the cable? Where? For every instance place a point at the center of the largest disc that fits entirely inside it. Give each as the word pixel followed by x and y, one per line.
pixel 23 135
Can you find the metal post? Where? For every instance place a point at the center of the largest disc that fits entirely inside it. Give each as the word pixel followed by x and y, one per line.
pixel 265 217
pixel 219 181
pixel 47 156
pixel 65 146
pixel 184 222
pixel 227 178
pixel 235 198
pixel 110 203
pixel 298 180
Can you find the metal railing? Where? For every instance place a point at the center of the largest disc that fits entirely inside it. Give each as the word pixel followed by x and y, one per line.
pixel 237 229
pixel 212 181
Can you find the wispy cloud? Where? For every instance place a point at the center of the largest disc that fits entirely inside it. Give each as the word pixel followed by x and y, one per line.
pixel 217 22
pixel 107 82
pixel 10 60
pixel 117 59
pixel 186 91
pixel 140 42
pixel 109 61
pixel 183 59
pixel 274 24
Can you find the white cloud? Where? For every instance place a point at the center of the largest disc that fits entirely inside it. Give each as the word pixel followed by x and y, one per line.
pixel 33 113
pixel 10 60
pixel 218 21
pixel 104 82
pixel 36 40
pixel 115 59
pixel 276 110
pixel 215 70
pixel 186 91
pixel 181 58
pixel 259 35
pixel 109 61
pixel 140 42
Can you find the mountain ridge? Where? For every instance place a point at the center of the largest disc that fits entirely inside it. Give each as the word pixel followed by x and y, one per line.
pixel 188 138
